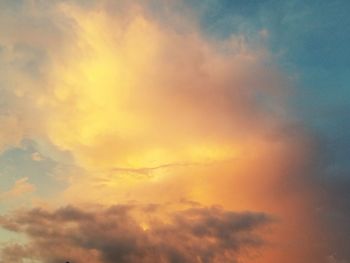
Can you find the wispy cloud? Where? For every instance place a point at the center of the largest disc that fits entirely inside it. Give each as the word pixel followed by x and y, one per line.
pixel 21 187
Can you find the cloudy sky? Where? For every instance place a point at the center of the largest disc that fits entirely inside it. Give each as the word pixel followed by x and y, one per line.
pixel 189 131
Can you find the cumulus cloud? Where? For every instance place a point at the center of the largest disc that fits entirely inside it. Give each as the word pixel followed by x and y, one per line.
pixel 151 109
pixel 108 76
pixel 133 233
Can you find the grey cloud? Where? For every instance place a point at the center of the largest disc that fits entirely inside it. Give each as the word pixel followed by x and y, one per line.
pixel 116 234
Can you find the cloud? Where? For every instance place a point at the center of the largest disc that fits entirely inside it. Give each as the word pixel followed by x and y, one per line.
pixel 13 253
pixel 36 157
pixel 100 86
pixel 10 132
pixel 21 187
pixel 128 90
pixel 134 233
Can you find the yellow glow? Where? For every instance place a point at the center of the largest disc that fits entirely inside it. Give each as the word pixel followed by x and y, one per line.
pixel 106 109
pixel 144 226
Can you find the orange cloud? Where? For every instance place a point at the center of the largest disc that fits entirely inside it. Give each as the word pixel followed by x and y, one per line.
pixel 128 93
pixel 158 112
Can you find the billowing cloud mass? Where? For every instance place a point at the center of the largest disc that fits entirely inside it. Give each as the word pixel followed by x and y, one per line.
pixel 107 103
pixel 196 234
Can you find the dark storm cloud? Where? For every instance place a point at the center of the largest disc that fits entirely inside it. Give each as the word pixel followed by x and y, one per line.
pixel 128 234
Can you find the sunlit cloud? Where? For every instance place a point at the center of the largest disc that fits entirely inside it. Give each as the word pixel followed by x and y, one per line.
pixel 119 102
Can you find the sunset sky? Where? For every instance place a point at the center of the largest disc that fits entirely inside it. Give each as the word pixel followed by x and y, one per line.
pixel 174 131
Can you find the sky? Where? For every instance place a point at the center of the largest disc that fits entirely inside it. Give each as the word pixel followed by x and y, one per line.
pixel 189 131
